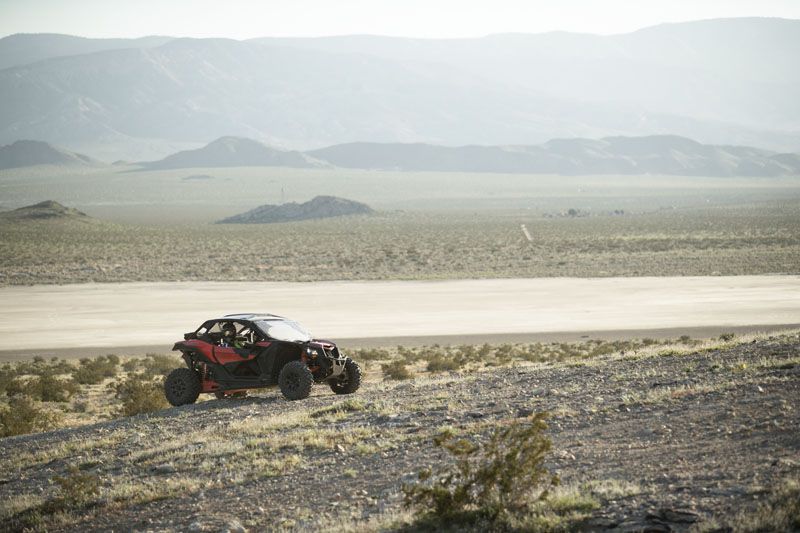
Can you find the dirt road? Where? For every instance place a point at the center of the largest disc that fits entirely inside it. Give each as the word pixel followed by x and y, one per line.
pixel 155 314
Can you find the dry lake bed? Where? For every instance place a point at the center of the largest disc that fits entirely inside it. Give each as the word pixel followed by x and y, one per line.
pixel 131 317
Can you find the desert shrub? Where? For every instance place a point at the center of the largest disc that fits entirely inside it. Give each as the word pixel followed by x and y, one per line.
pixel 157 365
pixel 140 395
pixel 492 481
pixel 410 355
pixel 15 386
pixel 49 388
pixel 484 351
pixel 23 416
pixel 442 363
pixel 75 489
pixel 93 371
pixel 45 388
pixel 396 370
pixel 602 348
pixel 727 337
pixel 151 365
pixel 371 354
pixel 39 366
pixel 7 375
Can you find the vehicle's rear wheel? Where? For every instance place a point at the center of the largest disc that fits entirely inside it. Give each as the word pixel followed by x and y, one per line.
pixel 349 381
pixel 182 386
pixel 295 380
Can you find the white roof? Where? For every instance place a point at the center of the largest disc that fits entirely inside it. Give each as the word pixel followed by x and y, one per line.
pixel 254 316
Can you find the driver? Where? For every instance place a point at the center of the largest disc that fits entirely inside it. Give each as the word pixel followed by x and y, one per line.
pixel 229 336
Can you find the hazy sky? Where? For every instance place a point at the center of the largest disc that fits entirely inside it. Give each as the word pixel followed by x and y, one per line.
pixel 417 18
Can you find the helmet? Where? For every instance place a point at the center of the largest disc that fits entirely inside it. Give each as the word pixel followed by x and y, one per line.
pixel 228 331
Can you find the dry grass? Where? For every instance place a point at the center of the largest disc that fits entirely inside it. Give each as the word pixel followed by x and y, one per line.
pixel 780 512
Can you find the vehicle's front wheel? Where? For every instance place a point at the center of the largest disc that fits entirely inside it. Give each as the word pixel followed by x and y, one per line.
pixel 182 386
pixel 349 381
pixel 295 380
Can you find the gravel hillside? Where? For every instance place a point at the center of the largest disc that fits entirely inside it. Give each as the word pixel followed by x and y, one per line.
pixel 663 441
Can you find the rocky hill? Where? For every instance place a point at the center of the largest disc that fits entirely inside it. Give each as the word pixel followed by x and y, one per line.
pixel 233 152
pixel 47 210
pixel 30 153
pixel 318 207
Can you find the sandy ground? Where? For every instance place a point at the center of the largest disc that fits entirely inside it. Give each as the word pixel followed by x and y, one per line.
pixel 155 315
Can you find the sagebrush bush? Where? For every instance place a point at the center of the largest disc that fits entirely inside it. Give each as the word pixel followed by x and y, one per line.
pixel 15 386
pixel 371 354
pixel 442 363
pixel 49 388
pixel 490 481
pixel 93 371
pixel 396 370
pixel 157 365
pixel 74 490
pixel 13 377
pixel 22 416
pixel 139 395
pixel 45 388
pixel 7 375
pixel 152 365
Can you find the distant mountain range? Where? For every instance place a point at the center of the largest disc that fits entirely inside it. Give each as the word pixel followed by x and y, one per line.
pixel 24 48
pixel 659 154
pixel 233 152
pixel 722 82
pixel 29 153
pixel 318 207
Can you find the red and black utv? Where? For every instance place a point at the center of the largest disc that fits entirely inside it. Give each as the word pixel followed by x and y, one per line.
pixel 229 355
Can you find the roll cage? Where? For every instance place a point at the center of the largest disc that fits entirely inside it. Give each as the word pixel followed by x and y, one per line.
pixel 249 330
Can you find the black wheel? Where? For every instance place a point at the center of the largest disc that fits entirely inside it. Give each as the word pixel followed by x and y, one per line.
pixel 182 386
pixel 349 381
pixel 295 380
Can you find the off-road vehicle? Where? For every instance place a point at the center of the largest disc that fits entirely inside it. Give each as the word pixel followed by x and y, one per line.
pixel 229 355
